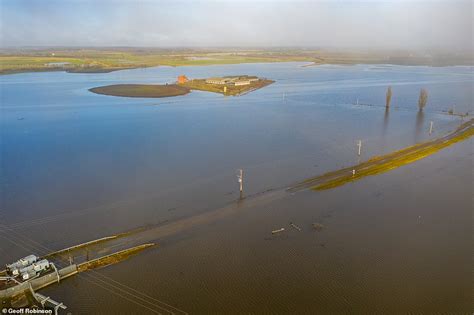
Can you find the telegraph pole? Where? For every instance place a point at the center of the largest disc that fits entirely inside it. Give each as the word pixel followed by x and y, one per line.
pixel 240 178
pixel 359 149
pixel 359 144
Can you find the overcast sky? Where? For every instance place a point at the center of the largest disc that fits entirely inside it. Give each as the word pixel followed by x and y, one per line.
pixel 403 24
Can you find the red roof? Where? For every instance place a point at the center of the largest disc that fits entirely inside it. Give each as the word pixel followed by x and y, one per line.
pixel 182 79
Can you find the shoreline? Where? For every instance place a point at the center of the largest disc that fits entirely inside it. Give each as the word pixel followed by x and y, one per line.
pixel 109 59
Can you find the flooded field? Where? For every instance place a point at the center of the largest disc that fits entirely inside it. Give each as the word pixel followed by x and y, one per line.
pixel 76 166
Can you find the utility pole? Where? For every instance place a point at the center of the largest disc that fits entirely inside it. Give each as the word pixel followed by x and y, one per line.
pixel 359 144
pixel 431 127
pixel 240 178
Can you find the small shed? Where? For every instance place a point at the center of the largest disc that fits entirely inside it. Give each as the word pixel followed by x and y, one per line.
pixel 182 79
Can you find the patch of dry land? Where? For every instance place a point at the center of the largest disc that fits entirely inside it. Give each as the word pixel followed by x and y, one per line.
pixel 231 85
pixel 141 90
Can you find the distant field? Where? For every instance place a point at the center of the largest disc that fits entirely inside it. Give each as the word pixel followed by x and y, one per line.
pixel 111 59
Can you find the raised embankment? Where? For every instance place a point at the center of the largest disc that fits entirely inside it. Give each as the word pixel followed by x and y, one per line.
pixel 80 246
pixel 112 258
pixel 385 163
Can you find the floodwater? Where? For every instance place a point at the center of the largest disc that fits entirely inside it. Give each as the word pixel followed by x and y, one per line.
pixel 76 166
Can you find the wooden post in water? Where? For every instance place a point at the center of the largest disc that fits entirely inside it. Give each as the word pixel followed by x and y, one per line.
pixel 431 127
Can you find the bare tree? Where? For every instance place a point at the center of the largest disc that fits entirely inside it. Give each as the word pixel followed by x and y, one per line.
pixel 388 98
pixel 423 99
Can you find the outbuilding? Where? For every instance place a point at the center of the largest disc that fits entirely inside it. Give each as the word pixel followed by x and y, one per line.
pixel 182 79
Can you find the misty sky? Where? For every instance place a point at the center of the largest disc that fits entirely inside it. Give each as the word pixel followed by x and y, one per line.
pixel 403 24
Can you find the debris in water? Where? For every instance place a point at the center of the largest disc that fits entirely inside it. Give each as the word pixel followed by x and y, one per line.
pixel 278 231
pixel 318 226
pixel 295 226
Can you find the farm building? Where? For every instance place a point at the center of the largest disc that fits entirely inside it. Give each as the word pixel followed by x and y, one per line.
pixel 182 79
pixel 234 80
pixel 242 82
pixel 218 80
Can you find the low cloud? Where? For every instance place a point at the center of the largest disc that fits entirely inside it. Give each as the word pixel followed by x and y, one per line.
pixel 401 24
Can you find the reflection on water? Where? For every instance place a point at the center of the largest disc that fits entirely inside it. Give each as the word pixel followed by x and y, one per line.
pixel 420 117
pixel 386 117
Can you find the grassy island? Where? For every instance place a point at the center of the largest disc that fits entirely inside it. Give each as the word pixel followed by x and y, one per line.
pixel 231 85
pixel 141 90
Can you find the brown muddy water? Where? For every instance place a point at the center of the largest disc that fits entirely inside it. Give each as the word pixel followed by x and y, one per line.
pixel 77 166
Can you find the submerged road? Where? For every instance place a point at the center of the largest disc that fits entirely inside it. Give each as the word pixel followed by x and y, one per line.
pixel 374 166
